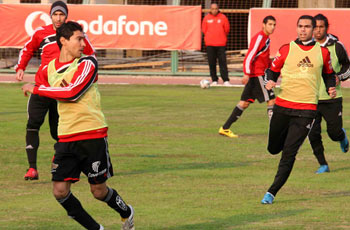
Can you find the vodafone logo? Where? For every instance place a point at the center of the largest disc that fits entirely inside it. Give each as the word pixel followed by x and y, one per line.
pixel 123 26
pixel 29 23
pixel 99 26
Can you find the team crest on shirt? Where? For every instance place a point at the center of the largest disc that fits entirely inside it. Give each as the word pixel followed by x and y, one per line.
pixel 219 20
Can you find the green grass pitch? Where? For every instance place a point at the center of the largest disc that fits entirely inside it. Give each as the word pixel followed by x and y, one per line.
pixel 174 168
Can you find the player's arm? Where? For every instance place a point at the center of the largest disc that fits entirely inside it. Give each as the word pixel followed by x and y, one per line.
pixel 29 88
pixel 272 73
pixel 328 74
pixel 253 49
pixel 26 54
pixel 204 25
pixel 82 80
pixel 343 59
pixel 226 25
pixel 89 49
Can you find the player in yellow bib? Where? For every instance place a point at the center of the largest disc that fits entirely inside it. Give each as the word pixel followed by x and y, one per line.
pixel 82 129
pixel 328 108
pixel 303 65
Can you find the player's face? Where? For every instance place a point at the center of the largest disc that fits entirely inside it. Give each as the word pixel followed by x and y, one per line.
pixel 320 30
pixel 269 27
pixel 58 18
pixel 75 45
pixel 214 9
pixel 305 30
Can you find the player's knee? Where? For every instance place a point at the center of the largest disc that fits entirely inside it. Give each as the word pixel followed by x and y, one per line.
pixel 274 149
pixel 244 104
pixel 60 193
pixel 335 136
pixel 98 192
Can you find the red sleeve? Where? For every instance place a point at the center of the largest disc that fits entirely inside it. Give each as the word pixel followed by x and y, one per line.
pixel 89 49
pixel 280 58
pixel 83 78
pixel 226 25
pixel 204 25
pixel 252 51
pixel 27 52
pixel 327 63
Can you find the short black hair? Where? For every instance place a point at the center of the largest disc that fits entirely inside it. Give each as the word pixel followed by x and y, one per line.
pixel 66 30
pixel 309 17
pixel 270 17
pixel 321 17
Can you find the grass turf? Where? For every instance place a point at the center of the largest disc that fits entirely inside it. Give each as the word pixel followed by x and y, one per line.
pixel 174 168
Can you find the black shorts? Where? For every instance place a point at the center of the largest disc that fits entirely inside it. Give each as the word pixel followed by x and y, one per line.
pixel 255 89
pixel 88 156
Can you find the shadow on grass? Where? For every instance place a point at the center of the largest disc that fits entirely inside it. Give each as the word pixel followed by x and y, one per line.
pixel 188 166
pixel 238 220
pixel 340 169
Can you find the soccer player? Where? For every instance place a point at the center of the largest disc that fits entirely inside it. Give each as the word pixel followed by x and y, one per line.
pixel 215 27
pixel 82 129
pixel 255 63
pixel 44 40
pixel 303 64
pixel 328 108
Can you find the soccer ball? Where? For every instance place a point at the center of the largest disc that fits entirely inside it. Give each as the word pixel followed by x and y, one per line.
pixel 205 84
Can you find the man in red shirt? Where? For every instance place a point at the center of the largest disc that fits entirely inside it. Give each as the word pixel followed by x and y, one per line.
pixel 255 63
pixel 215 27
pixel 82 129
pixel 44 40
pixel 303 64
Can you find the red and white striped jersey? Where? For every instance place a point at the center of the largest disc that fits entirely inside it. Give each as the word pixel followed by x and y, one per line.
pixel 44 40
pixel 257 59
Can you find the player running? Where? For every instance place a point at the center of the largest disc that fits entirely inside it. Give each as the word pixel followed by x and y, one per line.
pixel 303 64
pixel 82 129
pixel 255 63
pixel 44 40
pixel 330 109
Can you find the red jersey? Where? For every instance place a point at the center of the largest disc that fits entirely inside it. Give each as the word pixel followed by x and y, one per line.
pixel 277 65
pixel 257 59
pixel 44 40
pixel 215 29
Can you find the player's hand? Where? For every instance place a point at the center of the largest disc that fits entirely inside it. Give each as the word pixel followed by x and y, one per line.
pixel 337 81
pixel 245 79
pixel 270 85
pixel 19 75
pixel 332 92
pixel 27 88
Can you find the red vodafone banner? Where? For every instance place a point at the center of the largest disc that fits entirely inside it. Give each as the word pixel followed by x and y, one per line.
pixel 111 26
pixel 286 24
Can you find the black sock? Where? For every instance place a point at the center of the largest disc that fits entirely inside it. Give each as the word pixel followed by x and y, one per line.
pixel 236 113
pixel 116 202
pixel 76 212
pixel 269 111
pixel 32 145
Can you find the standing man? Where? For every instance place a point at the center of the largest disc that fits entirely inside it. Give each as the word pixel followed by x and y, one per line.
pixel 330 109
pixel 216 27
pixel 255 63
pixel 44 40
pixel 82 129
pixel 302 64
